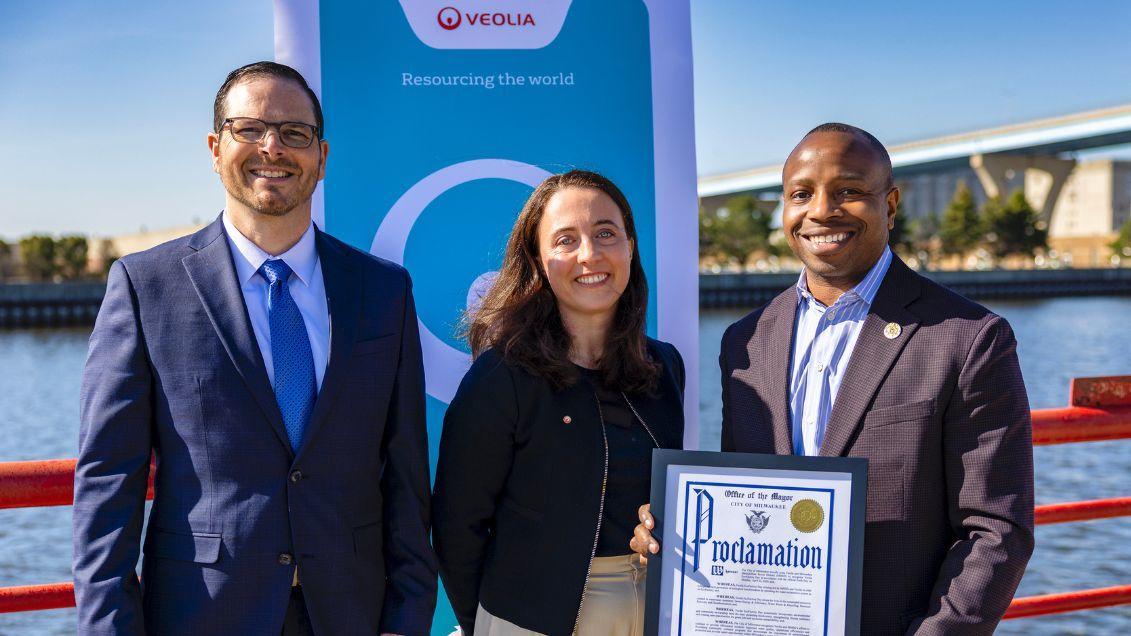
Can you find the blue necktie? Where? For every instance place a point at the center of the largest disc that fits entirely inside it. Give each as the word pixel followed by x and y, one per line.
pixel 290 352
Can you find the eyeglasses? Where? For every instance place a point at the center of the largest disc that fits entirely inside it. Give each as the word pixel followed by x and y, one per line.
pixel 249 130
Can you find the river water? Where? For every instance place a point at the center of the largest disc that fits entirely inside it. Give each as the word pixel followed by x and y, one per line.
pixel 1058 339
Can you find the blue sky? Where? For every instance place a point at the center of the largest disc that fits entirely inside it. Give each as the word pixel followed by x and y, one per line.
pixel 107 103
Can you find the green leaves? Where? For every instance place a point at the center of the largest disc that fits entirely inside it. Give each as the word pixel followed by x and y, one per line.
pixel 1122 243
pixel 71 251
pixel 741 228
pixel 1013 228
pixel 37 252
pixel 960 228
pixel 44 257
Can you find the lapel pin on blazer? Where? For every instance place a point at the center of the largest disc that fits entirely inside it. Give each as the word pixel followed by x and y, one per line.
pixel 567 420
pixel 892 331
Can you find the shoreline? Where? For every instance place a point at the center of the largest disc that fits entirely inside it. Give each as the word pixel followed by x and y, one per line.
pixel 722 291
pixel 77 303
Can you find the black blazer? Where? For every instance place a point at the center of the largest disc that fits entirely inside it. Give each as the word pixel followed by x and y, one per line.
pixel 519 489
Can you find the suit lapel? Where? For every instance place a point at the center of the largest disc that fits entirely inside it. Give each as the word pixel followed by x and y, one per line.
pixel 343 296
pixel 781 316
pixel 213 275
pixel 873 356
pixel 757 399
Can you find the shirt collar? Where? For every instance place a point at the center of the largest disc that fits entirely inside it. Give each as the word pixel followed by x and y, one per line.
pixel 865 290
pixel 249 257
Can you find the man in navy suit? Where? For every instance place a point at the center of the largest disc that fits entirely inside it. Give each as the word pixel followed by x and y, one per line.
pixel 276 375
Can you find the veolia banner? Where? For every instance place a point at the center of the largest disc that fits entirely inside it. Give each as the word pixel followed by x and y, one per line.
pixel 443 115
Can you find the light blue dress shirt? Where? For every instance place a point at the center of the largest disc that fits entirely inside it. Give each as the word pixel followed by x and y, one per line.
pixel 823 341
pixel 306 287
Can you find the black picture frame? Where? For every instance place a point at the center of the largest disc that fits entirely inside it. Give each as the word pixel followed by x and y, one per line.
pixel 703 461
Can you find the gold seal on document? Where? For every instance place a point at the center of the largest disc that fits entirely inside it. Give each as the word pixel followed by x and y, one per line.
pixel 807 515
pixel 892 331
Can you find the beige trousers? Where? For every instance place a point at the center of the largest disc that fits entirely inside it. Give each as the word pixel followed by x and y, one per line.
pixel 613 606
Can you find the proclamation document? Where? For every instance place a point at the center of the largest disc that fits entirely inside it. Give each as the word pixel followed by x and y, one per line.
pixel 758 550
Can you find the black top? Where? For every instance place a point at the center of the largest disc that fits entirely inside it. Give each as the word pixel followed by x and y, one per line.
pixel 518 488
pixel 630 468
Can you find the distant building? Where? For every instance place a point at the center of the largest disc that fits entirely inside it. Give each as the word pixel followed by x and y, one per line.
pixel 1094 205
pixel 103 251
pixel 1091 207
pixel 930 192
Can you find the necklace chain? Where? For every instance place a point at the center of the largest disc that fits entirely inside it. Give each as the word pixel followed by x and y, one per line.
pixel 647 429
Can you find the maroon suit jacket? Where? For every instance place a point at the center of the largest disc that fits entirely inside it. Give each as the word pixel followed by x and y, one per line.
pixel 941 414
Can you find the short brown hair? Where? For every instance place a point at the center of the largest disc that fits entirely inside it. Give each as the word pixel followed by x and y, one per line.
pixel 264 69
pixel 519 314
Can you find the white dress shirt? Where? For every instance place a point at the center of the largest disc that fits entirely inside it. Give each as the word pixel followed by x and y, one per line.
pixel 823 341
pixel 306 286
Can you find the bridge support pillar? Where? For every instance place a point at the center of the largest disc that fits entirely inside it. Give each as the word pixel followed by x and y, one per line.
pixel 1044 177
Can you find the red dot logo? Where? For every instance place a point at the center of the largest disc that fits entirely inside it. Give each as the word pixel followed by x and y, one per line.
pixel 449 18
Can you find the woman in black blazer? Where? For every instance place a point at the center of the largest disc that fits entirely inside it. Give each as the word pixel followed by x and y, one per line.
pixel 546 449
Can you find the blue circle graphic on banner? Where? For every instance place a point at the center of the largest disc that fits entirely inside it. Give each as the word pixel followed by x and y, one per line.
pixel 444 365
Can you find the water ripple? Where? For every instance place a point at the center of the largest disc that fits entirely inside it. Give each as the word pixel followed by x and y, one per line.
pixel 1058 339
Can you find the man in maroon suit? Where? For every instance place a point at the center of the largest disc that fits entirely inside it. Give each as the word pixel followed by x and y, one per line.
pixel 866 358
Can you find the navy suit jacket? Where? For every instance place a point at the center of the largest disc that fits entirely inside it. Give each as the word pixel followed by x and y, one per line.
pixel 174 369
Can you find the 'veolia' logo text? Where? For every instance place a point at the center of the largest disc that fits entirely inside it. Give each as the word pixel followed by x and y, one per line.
pixel 451 19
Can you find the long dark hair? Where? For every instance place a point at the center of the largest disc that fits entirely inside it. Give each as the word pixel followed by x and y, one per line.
pixel 519 314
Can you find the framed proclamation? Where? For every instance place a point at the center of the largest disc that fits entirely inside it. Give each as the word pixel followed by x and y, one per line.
pixel 756 544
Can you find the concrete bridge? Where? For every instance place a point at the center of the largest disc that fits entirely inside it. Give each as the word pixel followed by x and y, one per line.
pixel 1035 156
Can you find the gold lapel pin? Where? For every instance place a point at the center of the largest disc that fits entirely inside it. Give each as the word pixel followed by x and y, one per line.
pixel 567 420
pixel 892 331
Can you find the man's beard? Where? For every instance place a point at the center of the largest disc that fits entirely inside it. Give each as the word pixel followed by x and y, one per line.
pixel 276 205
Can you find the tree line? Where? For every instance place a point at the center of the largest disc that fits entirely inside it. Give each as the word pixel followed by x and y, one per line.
pixel 41 257
pixel 743 227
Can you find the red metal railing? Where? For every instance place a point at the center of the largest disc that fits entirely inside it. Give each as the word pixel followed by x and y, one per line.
pixel 1083 510
pixel 49 482
pixel 1068 602
pixel 26 598
pixel 1101 410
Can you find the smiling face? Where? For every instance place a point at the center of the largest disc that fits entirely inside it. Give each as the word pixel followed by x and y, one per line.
pixel 585 253
pixel 839 204
pixel 269 177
